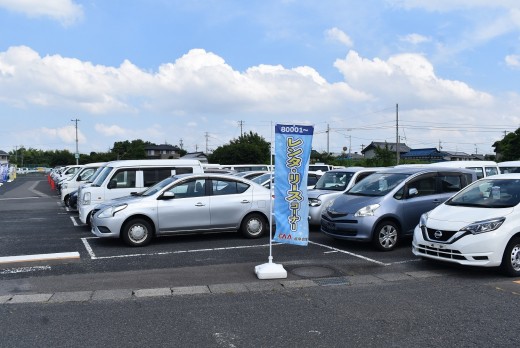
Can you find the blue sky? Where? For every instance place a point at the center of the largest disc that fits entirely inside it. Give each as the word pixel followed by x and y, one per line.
pixel 191 71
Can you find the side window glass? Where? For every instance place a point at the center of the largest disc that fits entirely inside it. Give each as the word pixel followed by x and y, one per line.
pixel 152 176
pixel 450 183
pixel 241 187
pixel 491 171
pixel 479 172
pixel 183 170
pixel 191 188
pixel 124 178
pixel 227 187
pixel 425 186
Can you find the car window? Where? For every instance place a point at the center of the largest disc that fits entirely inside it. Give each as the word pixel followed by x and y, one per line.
pixel 227 187
pixel 190 188
pixel 499 193
pixel 334 181
pixel 478 171
pixel 425 186
pixel 450 183
pixel 151 176
pixel 123 178
pixel 491 171
pixel 378 184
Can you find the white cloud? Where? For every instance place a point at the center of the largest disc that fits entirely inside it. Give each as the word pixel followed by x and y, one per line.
pixel 64 11
pixel 513 60
pixel 415 39
pixel 110 130
pixel 340 36
pixel 407 77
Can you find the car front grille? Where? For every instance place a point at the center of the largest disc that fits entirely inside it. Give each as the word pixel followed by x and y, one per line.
pixel 444 253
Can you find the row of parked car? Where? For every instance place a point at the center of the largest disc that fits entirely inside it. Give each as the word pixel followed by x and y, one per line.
pixel 451 216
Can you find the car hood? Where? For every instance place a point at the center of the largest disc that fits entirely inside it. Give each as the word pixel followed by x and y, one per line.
pixel 456 217
pixel 315 193
pixel 350 204
pixel 120 200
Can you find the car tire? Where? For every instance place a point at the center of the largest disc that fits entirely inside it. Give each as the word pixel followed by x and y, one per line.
pixel 511 260
pixel 253 226
pixel 66 200
pixel 386 236
pixel 137 232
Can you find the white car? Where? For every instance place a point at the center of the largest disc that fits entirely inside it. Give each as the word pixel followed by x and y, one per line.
pixel 479 226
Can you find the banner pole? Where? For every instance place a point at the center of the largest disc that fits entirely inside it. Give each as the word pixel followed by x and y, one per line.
pixel 270 270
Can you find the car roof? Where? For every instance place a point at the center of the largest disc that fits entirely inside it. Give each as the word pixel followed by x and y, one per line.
pixel 416 170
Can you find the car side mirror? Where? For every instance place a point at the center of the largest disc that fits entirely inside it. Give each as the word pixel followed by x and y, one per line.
pixel 413 192
pixel 168 195
pixel 112 184
pixel 79 177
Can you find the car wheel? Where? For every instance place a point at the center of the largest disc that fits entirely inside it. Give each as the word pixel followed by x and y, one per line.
pixel 137 232
pixel 253 226
pixel 386 236
pixel 66 200
pixel 511 259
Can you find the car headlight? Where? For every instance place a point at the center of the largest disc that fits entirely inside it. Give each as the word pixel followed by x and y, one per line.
pixel 484 226
pixel 86 198
pixel 423 219
pixel 111 211
pixel 367 211
pixel 314 202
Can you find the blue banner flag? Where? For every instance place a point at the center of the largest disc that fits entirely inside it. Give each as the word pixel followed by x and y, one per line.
pixel 293 145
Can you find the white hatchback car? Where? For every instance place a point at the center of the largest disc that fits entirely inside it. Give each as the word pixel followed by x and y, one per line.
pixel 479 226
pixel 187 203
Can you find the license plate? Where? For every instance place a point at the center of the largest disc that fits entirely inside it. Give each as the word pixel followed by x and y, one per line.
pixel 330 225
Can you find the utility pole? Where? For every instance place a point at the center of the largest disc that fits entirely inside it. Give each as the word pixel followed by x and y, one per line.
pixel 207 137
pixel 397 133
pixel 328 137
pixel 241 124
pixel 76 155
pixel 181 144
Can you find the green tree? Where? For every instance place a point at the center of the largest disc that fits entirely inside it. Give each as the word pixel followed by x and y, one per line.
pixel 384 157
pixel 129 149
pixel 247 149
pixel 509 146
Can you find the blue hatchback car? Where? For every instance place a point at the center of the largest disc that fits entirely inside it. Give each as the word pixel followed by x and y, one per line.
pixel 387 205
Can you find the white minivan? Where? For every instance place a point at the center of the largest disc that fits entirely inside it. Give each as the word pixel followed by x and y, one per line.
pixel 70 185
pixel 481 168
pixel 509 167
pixel 122 178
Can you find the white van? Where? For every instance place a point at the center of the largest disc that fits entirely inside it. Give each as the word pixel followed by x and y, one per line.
pixel 481 168
pixel 509 167
pixel 245 167
pixel 122 178
pixel 72 184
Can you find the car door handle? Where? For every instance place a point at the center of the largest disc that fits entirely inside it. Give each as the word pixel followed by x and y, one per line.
pixel 245 201
pixel 200 204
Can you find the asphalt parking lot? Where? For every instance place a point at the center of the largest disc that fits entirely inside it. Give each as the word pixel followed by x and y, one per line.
pixel 35 223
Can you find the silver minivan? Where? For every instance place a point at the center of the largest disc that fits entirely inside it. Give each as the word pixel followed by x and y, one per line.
pixel 387 205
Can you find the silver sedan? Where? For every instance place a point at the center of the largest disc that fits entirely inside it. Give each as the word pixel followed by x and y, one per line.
pixel 190 203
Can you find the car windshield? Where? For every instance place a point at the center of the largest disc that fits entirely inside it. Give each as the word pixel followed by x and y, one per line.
pixel 334 181
pixel 102 176
pixel 377 184
pixel 159 186
pixel 489 193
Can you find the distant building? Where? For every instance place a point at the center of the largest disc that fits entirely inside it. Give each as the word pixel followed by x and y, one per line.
pixel 370 150
pixel 163 151
pixel 4 157
pixel 197 156
pixel 427 155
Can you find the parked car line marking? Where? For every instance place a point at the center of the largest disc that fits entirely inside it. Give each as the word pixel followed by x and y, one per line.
pixel 351 254
pixel 94 257
pixel 73 219
pixel 25 269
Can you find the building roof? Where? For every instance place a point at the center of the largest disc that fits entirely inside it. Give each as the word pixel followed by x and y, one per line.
pixel 426 153
pixel 382 145
pixel 162 147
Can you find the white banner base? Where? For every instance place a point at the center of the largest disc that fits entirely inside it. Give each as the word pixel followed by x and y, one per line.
pixel 270 271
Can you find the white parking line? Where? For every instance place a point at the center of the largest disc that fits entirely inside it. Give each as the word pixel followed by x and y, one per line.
pixel 25 269
pixel 351 254
pixel 94 257
pixel 73 219
pixel 12 199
